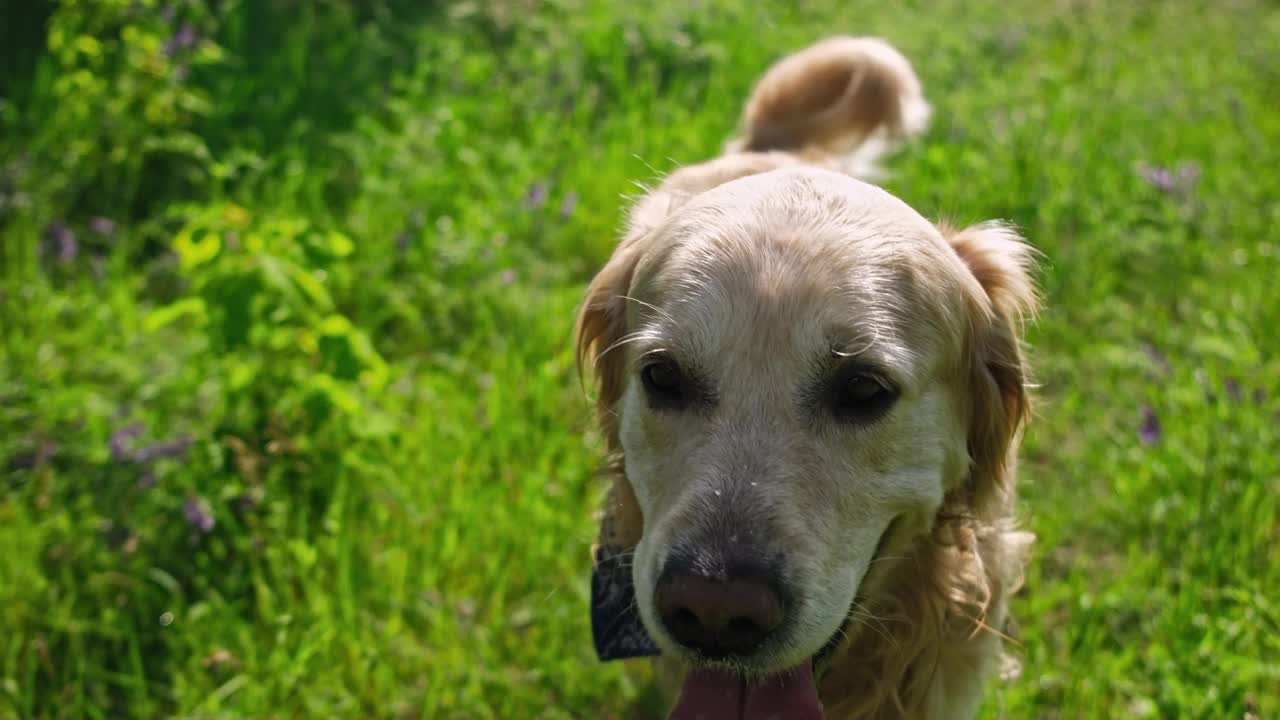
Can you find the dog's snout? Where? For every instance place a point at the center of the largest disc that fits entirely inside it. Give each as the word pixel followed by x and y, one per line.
pixel 729 614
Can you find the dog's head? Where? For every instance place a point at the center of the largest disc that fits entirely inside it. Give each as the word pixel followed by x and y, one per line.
pixel 797 370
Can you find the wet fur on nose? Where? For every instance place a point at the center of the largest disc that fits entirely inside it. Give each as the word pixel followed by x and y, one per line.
pixel 721 612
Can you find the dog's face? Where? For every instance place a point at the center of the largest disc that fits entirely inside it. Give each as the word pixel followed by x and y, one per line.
pixel 793 365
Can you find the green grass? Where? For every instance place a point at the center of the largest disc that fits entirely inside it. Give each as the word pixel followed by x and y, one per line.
pixel 329 271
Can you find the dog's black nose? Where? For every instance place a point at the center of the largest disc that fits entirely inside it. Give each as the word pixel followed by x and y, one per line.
pixel 730 614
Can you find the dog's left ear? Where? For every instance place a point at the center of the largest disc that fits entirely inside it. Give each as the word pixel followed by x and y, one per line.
pixel 1002 263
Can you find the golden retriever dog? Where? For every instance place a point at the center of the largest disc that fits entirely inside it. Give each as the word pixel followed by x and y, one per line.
pixel 812 397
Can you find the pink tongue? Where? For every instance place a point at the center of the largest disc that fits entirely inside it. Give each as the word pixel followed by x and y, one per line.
pixel 720 695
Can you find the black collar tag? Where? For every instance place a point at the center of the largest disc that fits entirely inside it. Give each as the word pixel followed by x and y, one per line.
pixel 615 620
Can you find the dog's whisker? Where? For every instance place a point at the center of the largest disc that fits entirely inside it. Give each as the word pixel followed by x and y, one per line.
pixel 980 625
pixel 888 557
pixel 866 618
pixel 886 636
pixel 624 340
pixel 856 350
pixel 651 306
pixel 880 627
pixel 647 164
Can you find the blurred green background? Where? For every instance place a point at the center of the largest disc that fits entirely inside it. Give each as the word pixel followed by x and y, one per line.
pixel 289 424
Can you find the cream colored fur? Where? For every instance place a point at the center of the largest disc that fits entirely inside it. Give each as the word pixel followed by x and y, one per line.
pixel 758 267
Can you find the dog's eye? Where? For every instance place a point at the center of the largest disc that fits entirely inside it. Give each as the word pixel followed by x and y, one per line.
pixel 664 382
pixel 862 397
pixel 862 389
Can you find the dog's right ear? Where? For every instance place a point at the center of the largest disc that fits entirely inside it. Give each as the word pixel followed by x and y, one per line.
pixel 601 330
pixel 601 326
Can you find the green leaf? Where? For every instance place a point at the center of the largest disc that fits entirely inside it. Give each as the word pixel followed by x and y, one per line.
pixel 310 286
pixel 194 252
pixel 191 308
pixel 339 244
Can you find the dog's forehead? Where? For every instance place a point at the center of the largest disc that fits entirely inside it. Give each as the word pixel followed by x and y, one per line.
pixel 791 259
pixel 809 195
pixel 808 222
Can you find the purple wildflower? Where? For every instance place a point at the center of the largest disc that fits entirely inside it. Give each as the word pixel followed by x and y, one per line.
pixel 1188 175
pixel 175 448
pixel 197 513
pixel 1180 180
pixel 23 461
pixel 536 197
pixel 1259 396
pixel 231 239
pixel 60 238
pixel 68 248
pixel 120 451
pixel 1160 177
pixel 1157 358
pixel 147 480
pixel 1232 388
pixel 403 241
pixel 184 39
pixel 507 277
pixel 248 500
pixel 1149 430
pixel 102 225
pixel 567 206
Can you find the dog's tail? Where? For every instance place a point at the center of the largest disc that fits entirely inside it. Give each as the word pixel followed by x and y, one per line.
pixel 843 96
